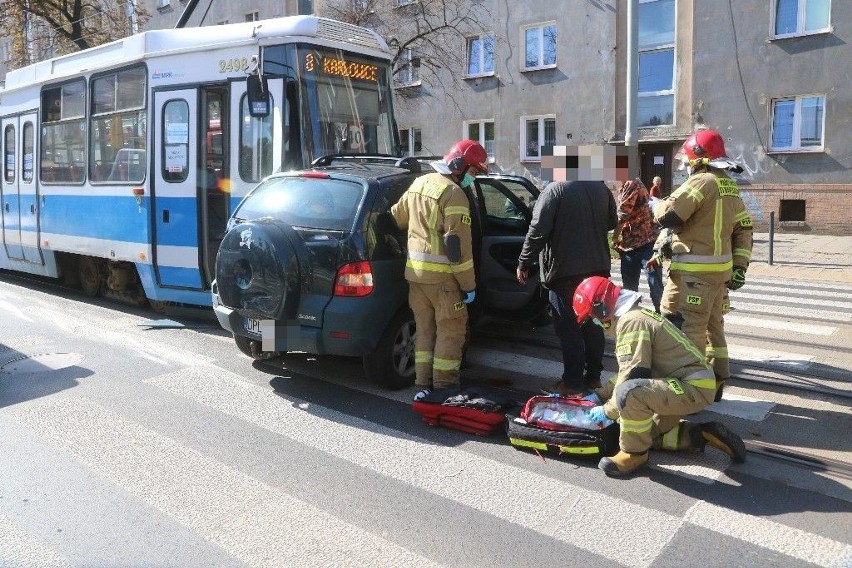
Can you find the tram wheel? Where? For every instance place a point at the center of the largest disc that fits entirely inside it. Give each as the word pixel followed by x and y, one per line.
pixel 90 276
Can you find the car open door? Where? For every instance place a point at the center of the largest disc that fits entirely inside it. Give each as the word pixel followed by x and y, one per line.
pixel 505 204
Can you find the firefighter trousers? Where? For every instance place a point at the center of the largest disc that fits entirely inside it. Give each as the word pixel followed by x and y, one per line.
pixel 650 410
pixel 441 320
pixel 697 307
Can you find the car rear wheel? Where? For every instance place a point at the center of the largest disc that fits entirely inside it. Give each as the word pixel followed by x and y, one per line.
pixel 391 364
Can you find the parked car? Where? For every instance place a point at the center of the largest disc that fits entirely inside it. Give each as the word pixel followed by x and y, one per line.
pixel 313 262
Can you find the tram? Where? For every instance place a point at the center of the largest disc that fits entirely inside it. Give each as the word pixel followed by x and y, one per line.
pixel 122 163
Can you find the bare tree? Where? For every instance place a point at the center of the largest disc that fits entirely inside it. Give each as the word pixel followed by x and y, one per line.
pixel 44 28
pixel 428 38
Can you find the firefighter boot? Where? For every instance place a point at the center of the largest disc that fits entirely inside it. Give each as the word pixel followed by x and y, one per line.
pixel 718 436
pixel 622 463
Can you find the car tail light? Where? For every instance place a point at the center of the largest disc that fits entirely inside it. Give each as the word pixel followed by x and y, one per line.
pixel 354 279
pixel 317 175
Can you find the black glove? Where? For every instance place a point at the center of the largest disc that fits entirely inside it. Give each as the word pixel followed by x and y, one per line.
pixel 737 278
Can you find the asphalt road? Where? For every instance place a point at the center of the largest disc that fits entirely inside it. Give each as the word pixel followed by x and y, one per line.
pixel 129 439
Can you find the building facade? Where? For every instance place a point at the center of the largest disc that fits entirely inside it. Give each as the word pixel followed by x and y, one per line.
pixel 771 76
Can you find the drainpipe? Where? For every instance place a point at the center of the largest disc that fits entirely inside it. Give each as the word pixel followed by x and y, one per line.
pixel 631 129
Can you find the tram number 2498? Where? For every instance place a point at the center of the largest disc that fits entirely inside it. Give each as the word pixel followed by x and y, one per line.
pixel 233 64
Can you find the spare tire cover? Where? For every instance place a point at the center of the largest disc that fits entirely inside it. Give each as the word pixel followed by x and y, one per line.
pixel 257 269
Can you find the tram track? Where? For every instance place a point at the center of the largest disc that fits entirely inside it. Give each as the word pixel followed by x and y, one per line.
pixel 803 460
pixel 751 373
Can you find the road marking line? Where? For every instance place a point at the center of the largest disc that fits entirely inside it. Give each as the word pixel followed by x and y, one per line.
pixel 20 549
pixel 797 327
pixel 469 479
pixel 259 524
pixel 770 535
pixel 742 407
pixel 781 359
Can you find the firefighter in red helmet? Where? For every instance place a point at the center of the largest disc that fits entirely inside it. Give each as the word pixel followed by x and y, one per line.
pixel 436 213
pixel 711 243
pixel 661 378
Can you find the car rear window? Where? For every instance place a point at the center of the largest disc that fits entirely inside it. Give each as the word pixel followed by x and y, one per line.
pixel 317 203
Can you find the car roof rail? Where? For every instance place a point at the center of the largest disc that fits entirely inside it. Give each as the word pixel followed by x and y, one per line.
pixel 409 163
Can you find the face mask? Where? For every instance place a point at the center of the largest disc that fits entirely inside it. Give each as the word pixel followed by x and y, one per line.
pixel 467 180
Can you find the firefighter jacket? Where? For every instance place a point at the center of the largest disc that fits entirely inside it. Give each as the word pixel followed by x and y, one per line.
pixel 649 346
pixel 716 230
pixel 432 209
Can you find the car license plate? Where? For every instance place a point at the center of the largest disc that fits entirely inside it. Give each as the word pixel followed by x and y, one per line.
pixel 252 326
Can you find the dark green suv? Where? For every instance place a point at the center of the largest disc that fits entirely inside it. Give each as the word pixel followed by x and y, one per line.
pixel 313 262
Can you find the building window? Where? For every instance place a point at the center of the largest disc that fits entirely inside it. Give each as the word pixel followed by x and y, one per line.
pixel 536 131
pixel 163 3
pixel 798 123
pixel 656 62
pixel 799 17
pixel 306 7
pixel 408 72
pixel 539 46
pixel 792 210
pixel 222 23
pixel 253 16
pixel 404 2
pixel 411 141
pixel 480 55
pixel 483 132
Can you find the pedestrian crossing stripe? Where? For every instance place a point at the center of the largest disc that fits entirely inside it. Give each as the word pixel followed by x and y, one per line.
pixel 450 473
pixel 258 524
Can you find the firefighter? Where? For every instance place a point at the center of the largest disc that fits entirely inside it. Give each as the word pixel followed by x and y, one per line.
pixel 436 213
pixel 661 378
pixel 711 243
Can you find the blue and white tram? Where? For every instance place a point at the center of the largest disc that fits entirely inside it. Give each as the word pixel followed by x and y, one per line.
pixel 121 164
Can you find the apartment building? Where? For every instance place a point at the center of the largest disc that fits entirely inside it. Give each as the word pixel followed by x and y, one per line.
pixel 771 75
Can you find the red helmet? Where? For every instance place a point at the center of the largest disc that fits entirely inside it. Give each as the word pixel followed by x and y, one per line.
pixel 466 153
pixel 595 297
pixel 705 147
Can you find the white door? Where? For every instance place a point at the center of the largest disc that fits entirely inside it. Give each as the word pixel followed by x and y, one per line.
pixel 174 191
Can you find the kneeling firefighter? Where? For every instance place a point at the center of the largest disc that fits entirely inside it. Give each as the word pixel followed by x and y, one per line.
pixel 436 213
pixel 661 378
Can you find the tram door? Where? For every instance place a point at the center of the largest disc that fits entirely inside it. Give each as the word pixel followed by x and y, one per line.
pixel 174 202
pixel 215 185
pixel 20 194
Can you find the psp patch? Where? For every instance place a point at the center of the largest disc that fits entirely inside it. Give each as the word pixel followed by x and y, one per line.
pixel 693 300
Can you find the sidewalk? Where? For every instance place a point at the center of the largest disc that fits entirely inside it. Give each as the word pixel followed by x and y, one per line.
pixel 801 256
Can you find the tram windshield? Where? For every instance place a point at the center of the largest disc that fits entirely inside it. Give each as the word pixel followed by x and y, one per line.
pixel 343 104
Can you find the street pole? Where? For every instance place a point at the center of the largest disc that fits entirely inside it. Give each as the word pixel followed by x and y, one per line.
pixel 631 141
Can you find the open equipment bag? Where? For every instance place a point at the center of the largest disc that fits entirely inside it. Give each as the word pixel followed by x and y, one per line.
pixel 468 409
pixel 560 425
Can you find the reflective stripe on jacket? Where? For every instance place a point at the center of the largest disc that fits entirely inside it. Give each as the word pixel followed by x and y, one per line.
pixel 716 234
pixel 432 209
pixel 646 340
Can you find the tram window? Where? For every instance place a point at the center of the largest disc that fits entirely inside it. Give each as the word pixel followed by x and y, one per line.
pixel 63 146
pixel 118 127
pixel 255 144
pixel 176 141
pixel 9 154
pixel 29 154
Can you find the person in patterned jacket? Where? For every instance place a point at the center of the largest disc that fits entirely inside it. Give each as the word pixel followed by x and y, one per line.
pixel 634 237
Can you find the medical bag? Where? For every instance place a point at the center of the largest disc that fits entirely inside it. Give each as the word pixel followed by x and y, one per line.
pixel 468 409
pixel 561 426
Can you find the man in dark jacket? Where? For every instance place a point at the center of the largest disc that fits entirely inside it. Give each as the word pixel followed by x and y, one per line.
pixel 569 229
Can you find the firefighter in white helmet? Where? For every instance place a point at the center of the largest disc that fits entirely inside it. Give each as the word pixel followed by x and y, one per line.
pixel 711 243
pixel 441 283
pixel 661 378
